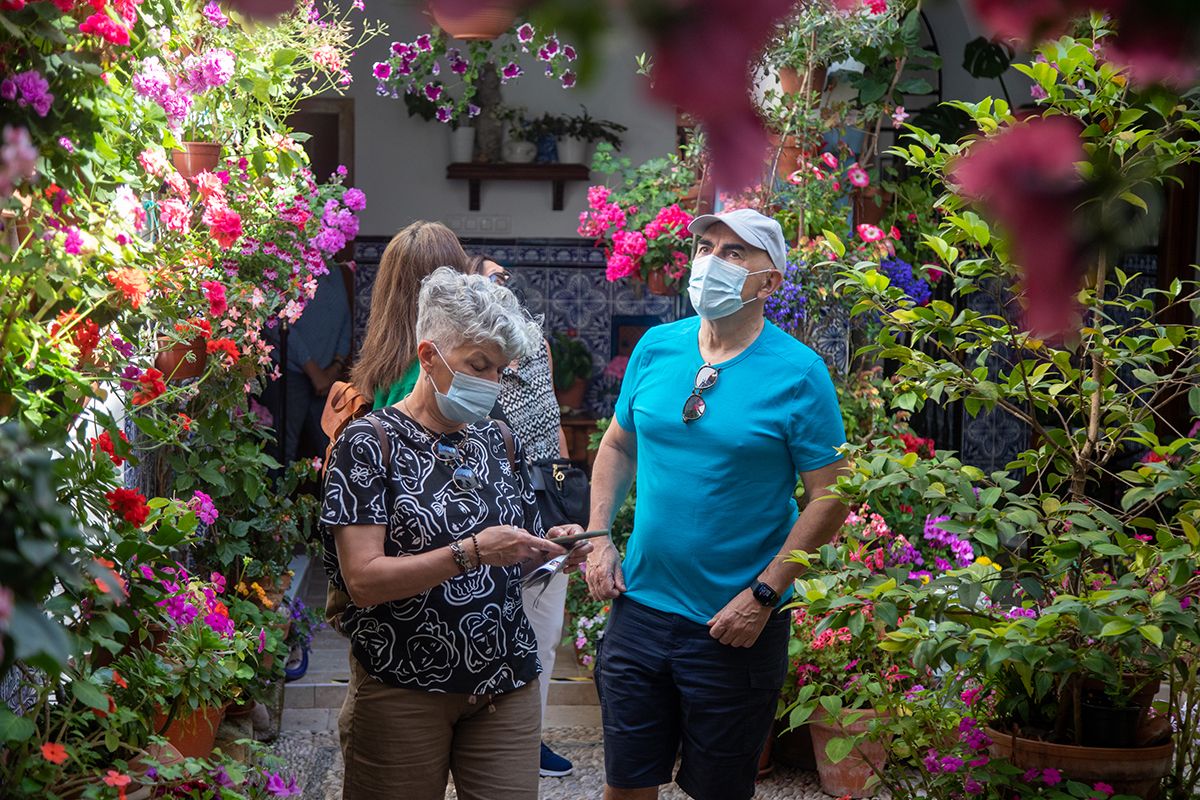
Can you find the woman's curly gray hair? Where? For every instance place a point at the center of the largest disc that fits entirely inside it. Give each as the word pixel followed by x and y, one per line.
pixel 454 308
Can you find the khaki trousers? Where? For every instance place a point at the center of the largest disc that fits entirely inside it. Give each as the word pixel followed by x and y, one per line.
pixel 402 743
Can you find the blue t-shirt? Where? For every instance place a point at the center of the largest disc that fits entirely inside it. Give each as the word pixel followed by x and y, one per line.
pixel 716 496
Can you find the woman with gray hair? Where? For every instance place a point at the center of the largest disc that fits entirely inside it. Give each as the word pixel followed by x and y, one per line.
pixel 430 525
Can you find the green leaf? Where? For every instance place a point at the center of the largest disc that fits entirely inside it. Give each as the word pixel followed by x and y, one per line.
pixel 983 58
pixel 14 728
pixel 1153 634
pixel 837 749
pixel 1116 627
pixel 284 57
pixel 914 86
pixel 1134 200
pixel 832 704
pixel 89 694
pixel 834 242
pixel 871 90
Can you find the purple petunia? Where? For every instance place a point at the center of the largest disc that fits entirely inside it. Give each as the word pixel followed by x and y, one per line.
pixel 511 71
pixel 525 33
pixel 568 79
pixel 433 91
pixel 382 70
pixel 445 113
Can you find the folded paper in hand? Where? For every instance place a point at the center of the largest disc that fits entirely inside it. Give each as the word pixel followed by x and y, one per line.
pixel 540 578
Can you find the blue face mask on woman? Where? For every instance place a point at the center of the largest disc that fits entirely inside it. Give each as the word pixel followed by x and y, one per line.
pixel 715 286
pixel 469 399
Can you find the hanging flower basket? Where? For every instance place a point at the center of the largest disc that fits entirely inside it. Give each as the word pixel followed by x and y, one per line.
pixel 196 157
pixel 488 21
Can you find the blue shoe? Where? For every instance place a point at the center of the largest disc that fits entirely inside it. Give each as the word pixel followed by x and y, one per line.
pixel 554 765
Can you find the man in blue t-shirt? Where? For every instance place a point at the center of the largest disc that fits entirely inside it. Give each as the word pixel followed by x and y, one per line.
pixel 718 417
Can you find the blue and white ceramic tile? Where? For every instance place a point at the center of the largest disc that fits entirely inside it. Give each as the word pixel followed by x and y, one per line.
pixel 631 298
pixel 578 297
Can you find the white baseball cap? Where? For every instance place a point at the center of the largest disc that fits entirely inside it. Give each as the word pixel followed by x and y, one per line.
pixel 757 230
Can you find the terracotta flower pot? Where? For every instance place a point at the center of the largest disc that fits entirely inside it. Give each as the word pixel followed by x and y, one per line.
pixel 656 282
pixel 850 775
pixel 196 157
pixel 488 20
pixel 792 82
pixel 870 204
pixel 174 364
pixel 572 396
pixel 192 733
pixel 1129 770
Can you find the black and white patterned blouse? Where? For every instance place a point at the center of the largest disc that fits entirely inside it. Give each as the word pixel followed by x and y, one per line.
pixel 470 634
pixel 528 401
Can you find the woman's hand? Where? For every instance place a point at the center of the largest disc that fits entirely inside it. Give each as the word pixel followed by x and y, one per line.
pixel 577 554
pixel 504 546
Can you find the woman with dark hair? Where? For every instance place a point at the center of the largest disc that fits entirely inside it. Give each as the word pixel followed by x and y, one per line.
pixel 387 367
pixel 528 403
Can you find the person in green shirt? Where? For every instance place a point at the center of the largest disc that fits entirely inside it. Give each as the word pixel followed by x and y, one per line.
pixel 387 366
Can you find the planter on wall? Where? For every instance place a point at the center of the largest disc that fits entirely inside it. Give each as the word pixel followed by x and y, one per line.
pixel 572 396
pixel 488 20
pixel 196 157
pixel 192 733
pixel 656 282
pixel 791 81
pixel 173 361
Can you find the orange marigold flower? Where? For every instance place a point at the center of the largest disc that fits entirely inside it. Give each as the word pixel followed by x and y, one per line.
pixel 54 752
pixel 131 282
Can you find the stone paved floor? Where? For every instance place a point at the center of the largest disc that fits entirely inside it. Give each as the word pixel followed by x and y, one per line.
pixel 314 754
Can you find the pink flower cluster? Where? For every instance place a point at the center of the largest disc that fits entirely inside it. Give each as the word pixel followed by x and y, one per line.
pixel 629 249
pixel 28 89
pixel 152 82
pixel 338 223
pixel 18 159
pixel 215 16
pixel 831 638
pixel 210 70
pixel 206 510
pixel 188 600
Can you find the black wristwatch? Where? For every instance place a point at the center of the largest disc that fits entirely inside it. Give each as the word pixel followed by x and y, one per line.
pixel 765 595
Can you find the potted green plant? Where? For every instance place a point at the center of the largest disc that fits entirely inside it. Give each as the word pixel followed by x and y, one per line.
pixel 1086 593
pixel 583 131
pixel 545 132
pixel 572 369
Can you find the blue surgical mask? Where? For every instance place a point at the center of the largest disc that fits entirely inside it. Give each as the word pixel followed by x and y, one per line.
pixel 469 399
pixel 715 286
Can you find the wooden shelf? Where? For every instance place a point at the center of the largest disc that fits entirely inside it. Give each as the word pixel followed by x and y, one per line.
pixel 557 174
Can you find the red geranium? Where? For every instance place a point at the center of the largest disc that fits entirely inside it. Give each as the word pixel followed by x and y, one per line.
pixel 107 28
pixel 227 347
pixel 201 326
pixel 130 504
pixel 152 386
pixel 104 443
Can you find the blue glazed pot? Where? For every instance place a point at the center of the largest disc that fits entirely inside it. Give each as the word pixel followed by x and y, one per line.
pixel 547 150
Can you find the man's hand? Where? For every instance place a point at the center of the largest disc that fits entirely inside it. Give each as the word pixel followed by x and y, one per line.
pixel 739 623
pixel 578 553
pixel 604 576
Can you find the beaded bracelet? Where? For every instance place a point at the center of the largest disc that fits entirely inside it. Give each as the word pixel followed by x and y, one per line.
pixel 478 557
pixel 460 558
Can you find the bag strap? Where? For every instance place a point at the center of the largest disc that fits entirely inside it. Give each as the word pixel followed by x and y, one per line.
pixel 385 444
pixel 509 446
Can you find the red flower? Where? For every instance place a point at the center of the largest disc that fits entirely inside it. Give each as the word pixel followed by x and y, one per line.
pixel 120 781
pixel 1025 177
pixel 119 681
pixel 106 28
pixel 85 334
pixel 215 292
pixel 185 422
pixel 225 225
pixel 129 504
pixel 152 387
pixel 54 752
pixel 104 443
pixel 227 347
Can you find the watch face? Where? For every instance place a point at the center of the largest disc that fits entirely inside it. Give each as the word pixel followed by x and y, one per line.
pixel 764 594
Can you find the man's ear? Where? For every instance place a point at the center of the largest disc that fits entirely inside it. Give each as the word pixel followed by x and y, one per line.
pixel 771 283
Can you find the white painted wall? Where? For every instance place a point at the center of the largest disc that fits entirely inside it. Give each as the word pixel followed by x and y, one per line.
pixel 401 161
